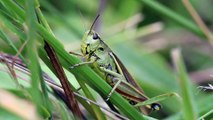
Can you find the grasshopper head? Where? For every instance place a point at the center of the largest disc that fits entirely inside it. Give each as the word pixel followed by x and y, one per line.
pixel 90 43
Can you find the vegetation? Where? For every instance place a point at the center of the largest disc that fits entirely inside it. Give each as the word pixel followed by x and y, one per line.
pixel 166 47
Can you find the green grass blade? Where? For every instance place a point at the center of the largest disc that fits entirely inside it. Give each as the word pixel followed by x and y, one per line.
pixel 97 112
pixel 170 14
pixel 45 59
pixel 158 99
pixel 185 85
pixel 14 8
pixel 34 66
pixel 205 115
pixel 60 17
pixel 9 42
pixel 85 73
pixel 11 26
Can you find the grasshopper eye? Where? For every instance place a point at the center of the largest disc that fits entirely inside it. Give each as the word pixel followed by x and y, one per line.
pixel 95 36
pixel 101 49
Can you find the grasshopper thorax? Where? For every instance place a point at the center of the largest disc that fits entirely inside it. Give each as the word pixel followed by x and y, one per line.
pixel 90 42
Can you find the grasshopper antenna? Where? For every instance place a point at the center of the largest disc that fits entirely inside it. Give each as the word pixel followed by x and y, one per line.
pixel 94 23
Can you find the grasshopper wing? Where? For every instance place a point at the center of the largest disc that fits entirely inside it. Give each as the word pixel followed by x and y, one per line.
pixel 122 69
pixel 125 72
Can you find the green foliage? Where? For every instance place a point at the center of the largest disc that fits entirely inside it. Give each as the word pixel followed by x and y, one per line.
pixel 142 43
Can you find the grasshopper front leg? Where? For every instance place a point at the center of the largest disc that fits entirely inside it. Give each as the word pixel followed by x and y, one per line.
pixel 76 54
pixel 92 60
pixel 83 63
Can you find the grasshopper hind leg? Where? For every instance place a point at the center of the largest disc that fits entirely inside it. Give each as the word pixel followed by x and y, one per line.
pixel 80 64
pixel 117 80
pixel 114 87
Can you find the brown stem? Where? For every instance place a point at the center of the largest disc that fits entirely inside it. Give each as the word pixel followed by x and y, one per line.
pixel 64 81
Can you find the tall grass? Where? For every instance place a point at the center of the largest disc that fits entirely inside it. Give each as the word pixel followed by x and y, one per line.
pixel 62 29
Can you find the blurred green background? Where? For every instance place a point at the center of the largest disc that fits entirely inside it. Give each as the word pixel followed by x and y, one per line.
pixel 142 37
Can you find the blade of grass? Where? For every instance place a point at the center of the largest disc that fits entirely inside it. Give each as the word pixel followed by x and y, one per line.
pixel 60 17
pixel 19 13
pixel 85 73
pixel 169 13
pixel 189 111
pixel 72 103
pixel 87 106
pixel 11 26
pixel 9 42
pixel 158 99
pixel 202 101
pixel 14 105
pixel 82 101
pixel 33 65
pixel 42 54
pixel 97 111
pixel 64 82
pixel 21 67
pixel 205 115
pixel 198 20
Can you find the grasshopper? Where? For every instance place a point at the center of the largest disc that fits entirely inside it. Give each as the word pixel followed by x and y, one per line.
pixel 105 63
